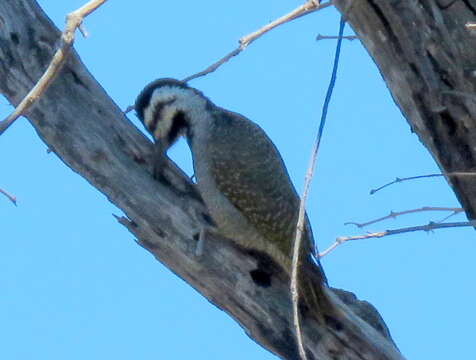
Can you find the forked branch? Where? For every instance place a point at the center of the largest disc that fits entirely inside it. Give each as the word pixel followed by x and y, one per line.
pixel 73 22
pixel 428 227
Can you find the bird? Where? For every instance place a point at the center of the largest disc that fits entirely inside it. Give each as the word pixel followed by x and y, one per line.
pixel 240 176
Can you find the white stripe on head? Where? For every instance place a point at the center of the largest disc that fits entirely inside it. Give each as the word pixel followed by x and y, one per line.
pixel 165 102
pixel 161 104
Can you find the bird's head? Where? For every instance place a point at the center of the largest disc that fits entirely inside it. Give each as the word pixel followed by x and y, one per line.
pixel 167 108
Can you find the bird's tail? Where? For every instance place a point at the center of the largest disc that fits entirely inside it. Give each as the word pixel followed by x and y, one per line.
pixel 313 300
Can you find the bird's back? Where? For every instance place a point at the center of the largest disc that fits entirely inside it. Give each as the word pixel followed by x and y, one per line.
pixel 248 170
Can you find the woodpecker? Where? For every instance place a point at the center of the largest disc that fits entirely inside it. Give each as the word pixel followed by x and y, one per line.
pixel 240 176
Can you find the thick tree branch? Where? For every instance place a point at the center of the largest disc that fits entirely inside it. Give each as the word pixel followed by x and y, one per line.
pixel 80 123
pixel 421 68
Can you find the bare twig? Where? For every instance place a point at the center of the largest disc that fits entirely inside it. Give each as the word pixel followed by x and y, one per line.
pixel 215 65
pixel 332 37
pixel 309 7
pixel 302 204
pixel 448 216
pixel 470 26
pixel 429 227
pixel 394 215
pixel 73 21
pixel 296 249
pixel 399 180
pixel 10 197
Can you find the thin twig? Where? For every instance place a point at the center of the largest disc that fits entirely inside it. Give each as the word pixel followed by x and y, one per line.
pixel 302 204
pixel 215 65
pixel 333 37
pixel 73 21
pixel 470 26
pixel 296 250
pixel 448 216
pixel 309 7
pixel 10 197
pixel 429 227
pixel 399 180
pixel 394 215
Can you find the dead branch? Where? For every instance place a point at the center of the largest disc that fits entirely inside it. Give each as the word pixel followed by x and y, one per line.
pixel 73 22
pixel 10 197
pixel 394 215
pixel 297 247
pixel 399 180
pixel 305 194
pixel 428 227
pixel 307 8
pixel 333 37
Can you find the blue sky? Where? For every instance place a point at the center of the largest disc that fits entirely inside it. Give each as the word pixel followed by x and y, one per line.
pixel 74 283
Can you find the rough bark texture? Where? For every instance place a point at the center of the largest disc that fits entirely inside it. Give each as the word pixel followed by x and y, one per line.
pixel 424 53
pixel 428 60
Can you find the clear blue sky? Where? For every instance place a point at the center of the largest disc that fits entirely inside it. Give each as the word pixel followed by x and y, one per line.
pixel 75 285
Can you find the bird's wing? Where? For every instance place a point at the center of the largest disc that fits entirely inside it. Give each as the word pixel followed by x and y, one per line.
pixel 259 185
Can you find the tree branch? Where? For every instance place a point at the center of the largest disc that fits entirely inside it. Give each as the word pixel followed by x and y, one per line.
pixel 320 37
pixel 307 8
pixel 394 215
pixel 420 70
pixel 10 197
pixel 428 227
pixel 73 21
pixel 305 192
pixel 399 180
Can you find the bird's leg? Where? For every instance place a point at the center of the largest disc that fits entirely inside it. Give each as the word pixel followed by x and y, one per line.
pixel 159 161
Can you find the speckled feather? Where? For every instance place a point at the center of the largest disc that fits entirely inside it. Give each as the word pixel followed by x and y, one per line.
pixel 250 172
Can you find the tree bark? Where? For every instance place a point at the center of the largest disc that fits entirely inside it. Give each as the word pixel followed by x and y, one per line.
pixel 428 71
